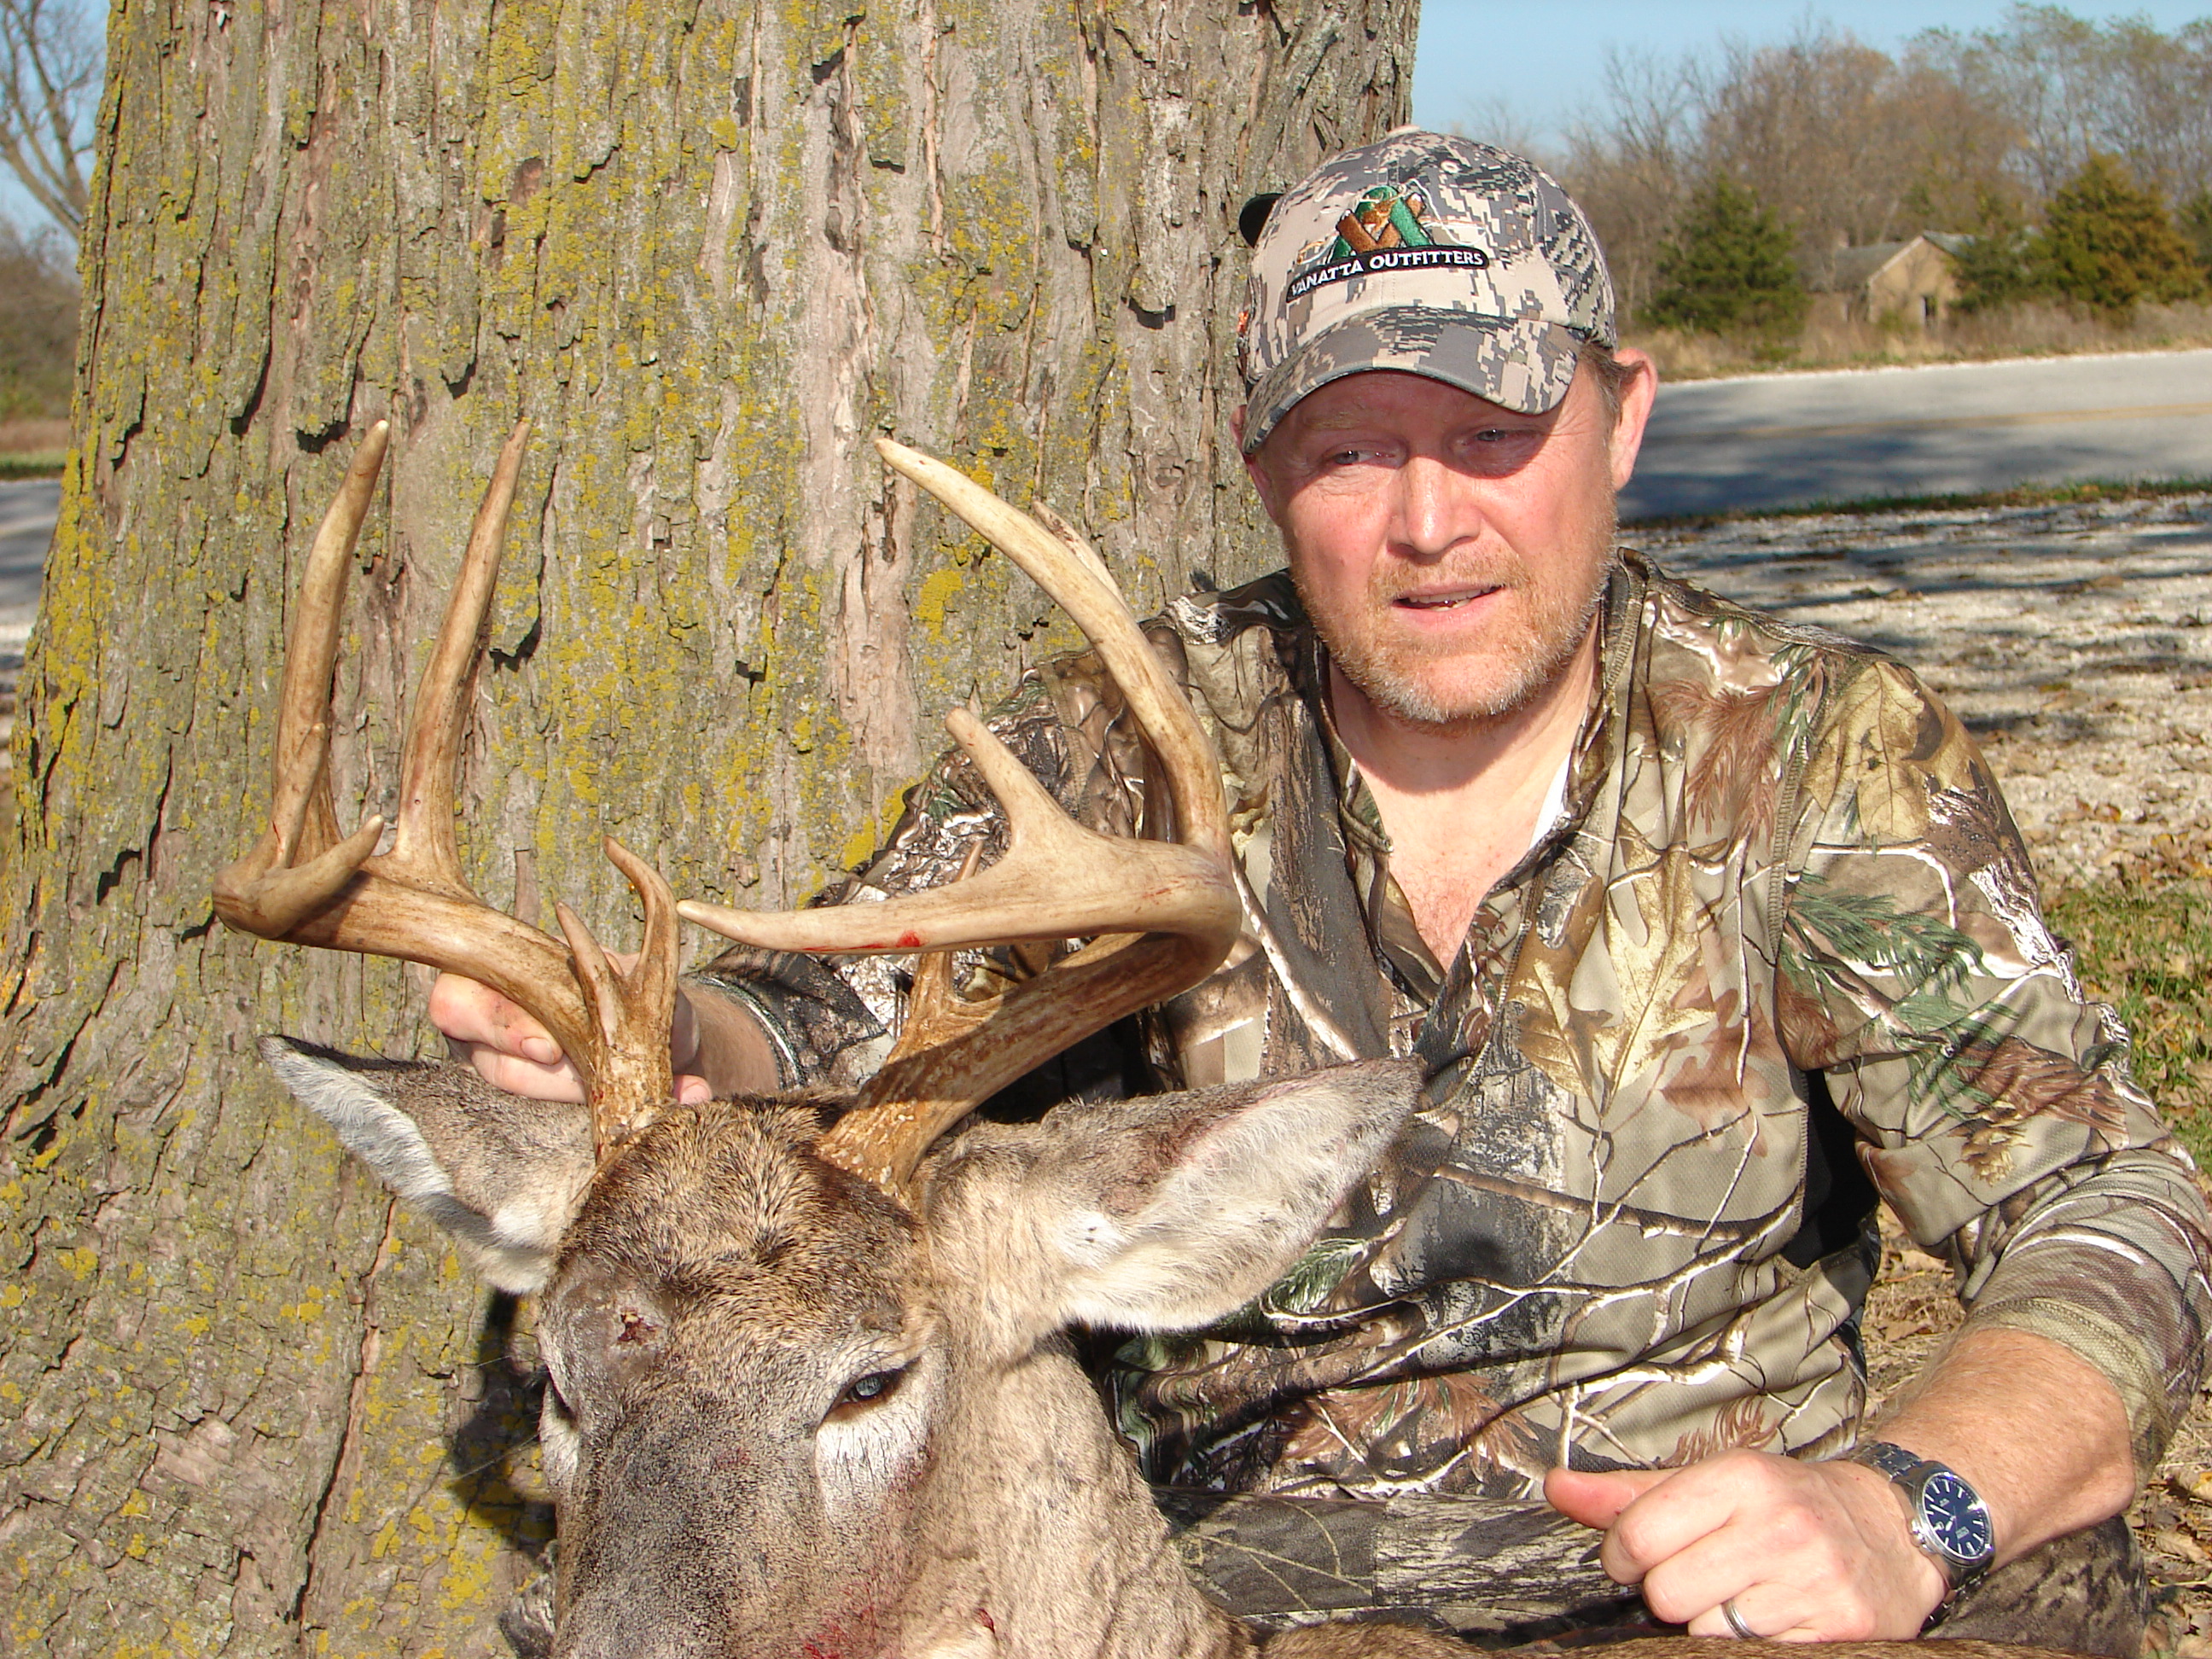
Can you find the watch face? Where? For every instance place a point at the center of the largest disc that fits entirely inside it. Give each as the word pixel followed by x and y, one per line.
pixel 1956 1518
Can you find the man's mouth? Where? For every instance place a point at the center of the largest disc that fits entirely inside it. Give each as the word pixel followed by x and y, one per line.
pixel 1443 601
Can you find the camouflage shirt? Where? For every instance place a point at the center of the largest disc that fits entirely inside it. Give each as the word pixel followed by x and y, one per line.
pixel 1776 955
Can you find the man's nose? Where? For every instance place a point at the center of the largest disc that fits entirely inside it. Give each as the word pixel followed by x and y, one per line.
pixel 1437 508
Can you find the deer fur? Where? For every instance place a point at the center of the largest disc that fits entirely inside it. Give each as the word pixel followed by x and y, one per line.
pixel 711 1298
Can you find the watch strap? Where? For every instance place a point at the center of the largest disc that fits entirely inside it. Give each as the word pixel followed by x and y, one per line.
pixel 1894 1461
pixel 1910 1475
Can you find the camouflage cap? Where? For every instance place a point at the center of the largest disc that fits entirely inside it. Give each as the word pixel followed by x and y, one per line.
pixel 1439 256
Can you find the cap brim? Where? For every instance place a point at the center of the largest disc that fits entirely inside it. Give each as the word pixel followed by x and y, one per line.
pixel 1525 366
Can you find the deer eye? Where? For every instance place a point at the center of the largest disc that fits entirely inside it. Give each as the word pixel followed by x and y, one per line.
pixel 864 1393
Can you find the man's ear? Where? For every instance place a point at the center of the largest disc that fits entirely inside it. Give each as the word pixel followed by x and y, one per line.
pixel 501 1174
pixel 1169 1213
pixel 1637 398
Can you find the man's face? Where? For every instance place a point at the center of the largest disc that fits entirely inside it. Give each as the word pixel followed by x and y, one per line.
pixel 1451 552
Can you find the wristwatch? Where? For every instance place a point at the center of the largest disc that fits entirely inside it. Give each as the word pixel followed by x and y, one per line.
pixel 1949 1520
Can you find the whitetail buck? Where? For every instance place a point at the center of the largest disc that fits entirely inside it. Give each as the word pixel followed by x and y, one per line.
pixel 809 1394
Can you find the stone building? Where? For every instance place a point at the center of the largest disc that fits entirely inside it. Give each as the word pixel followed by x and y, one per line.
pixel 1916 280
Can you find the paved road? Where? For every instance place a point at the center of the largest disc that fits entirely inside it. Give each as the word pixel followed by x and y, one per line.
pixel 1781 440
pixel 27 524
pixel 1776 440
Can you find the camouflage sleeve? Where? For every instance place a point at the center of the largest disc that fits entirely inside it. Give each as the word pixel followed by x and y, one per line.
pixel 1491 1568
pixel 1994 1103
pixel 831 1022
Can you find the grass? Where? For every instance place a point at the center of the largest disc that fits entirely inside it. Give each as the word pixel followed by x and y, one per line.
pixel 2143 939
pixel 2033 328
pixel 33 463
pixel 2067 495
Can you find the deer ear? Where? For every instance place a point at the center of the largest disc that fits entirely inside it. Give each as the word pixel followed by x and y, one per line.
pixel 501 1174
pixel 1173 1213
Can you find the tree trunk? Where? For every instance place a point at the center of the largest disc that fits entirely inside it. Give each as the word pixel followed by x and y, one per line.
pixel 246 1405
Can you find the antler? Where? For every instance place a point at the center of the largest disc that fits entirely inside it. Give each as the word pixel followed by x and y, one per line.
pixel 1161 915
pixel 302 884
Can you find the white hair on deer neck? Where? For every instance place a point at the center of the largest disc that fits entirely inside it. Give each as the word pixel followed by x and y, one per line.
pixel 560 1447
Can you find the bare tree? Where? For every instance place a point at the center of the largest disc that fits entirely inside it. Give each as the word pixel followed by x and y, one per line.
pixel 52 62
pixel 2079 87
pixel 1497 119
pixel 1844 144
pixel 1633 170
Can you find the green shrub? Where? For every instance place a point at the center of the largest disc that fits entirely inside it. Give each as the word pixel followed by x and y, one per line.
pixel 1997 268
pixel 2107 241
pixel 1728 268
pixel 2195 224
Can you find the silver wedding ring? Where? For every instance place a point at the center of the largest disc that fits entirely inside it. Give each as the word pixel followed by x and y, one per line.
pixel 1735 1621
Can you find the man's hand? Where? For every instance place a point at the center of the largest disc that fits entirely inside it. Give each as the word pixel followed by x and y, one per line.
pixel 512 1051
pixel 1807 1552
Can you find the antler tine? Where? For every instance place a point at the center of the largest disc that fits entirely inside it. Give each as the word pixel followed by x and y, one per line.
pixel 303 731
pixel 1082 588
pixel 1167 914
pixel 424 839
pixel 633 1010
pixel 271 881
pixel 410 904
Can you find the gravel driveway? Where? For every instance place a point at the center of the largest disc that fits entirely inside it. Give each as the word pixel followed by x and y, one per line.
pixel 2076 643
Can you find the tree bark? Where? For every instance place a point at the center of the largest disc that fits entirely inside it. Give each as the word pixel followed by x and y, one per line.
pixel 246 1406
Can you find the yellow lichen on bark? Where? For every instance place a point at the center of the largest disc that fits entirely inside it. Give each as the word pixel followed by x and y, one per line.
pixel 246 1407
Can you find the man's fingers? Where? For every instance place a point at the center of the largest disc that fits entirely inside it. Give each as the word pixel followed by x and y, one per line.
pixel 1597 1500
pixel 1779 1538
pixel 1642 1525
pixel 1761 1612
pixel 523 1076
pixel 468 1013
pixel 473 1016
pixel 1694 1581
pixel 1674 1513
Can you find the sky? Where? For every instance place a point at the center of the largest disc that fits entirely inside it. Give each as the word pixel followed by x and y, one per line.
pixel 1537 64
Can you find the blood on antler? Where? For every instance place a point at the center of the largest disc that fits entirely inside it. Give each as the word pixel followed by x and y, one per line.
pixel 302 884
pixel 1160 915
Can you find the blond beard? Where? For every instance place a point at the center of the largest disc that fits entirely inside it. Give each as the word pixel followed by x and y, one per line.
pixel 1390 674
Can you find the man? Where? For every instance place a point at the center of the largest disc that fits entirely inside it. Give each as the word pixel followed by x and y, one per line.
pixel 1709 929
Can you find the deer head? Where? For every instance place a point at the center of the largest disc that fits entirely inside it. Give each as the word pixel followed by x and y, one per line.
pixel 808 1390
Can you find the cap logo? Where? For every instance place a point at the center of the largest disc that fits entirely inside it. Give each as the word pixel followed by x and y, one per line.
pixel 1386 230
